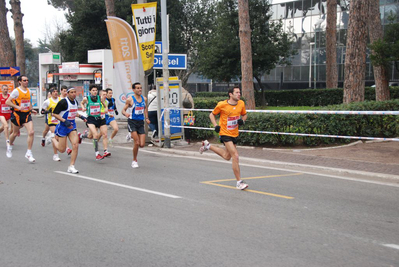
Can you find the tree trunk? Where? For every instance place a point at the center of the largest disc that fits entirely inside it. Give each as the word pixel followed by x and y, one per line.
pixel 6 54
pixel 247 82
pixel 331 45
pixel 355 60
pixel 19 34
pixel 380 72
pixel 110 6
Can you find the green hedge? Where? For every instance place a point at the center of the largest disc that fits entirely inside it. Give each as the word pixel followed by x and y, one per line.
pixel 348 125
pixel 301 97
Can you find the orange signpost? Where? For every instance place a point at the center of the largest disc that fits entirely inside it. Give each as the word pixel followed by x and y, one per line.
pixel 9 71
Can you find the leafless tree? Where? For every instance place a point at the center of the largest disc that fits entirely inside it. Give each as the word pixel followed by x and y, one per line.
pixel 380 72
pixel 356 44
pixel 331 44
pixel 7 58
pixel 19 33
pixel 247 83
pixel 110 6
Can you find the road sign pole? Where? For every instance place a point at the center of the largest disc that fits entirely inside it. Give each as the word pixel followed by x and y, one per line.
pixel 165 52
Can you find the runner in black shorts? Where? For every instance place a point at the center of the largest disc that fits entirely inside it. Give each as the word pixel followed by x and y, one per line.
pixel 96 107
pixel 136 119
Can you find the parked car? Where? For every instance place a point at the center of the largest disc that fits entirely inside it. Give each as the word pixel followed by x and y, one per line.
pixel 390 84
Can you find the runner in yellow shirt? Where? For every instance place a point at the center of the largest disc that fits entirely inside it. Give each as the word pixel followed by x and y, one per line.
pixel 232 114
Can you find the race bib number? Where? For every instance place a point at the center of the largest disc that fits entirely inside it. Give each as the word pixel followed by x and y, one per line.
pixel 139 110
pixel 54 120
pixel 232 122
pixel 95 110
pixel 5 109
pixel 72 113
pixel 102 115
pixel 111 112
pixel 25 104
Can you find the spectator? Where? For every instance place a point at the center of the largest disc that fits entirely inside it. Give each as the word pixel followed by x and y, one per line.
pixel 153 111
pixel 188 103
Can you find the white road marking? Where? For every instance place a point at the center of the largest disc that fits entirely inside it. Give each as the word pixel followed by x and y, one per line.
pixel 120 185
pixel 391 246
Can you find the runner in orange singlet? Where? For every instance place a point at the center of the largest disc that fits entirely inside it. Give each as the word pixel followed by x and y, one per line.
pixel 232 114
pixel 20 100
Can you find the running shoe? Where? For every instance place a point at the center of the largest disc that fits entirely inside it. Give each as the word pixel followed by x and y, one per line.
pixel 69 151
pixel 205 146
pixel 43 142
pixel 85 134
pixel 154 134
pixel 99 157
pixel 128 137
pixel 30 157
pixel 9 151
pixel 56 157
pixel 80 138
pixel 135 164
pixel 49 138
pixel 242 185
pixel 106 154
pixel 71 169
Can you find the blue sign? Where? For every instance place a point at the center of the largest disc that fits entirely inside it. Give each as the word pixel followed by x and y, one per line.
pixel 158 47
pixel 176 61
pixel 175 120
pixel 9 71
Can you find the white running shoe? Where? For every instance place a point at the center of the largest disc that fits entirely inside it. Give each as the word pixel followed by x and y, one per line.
pixel 30 158
pixel 242 185
pixel 9 151
pixel 135 164
pixel 71 169
pixel 205 146
pixel 56 157
pixel 49 138
pixel 128 137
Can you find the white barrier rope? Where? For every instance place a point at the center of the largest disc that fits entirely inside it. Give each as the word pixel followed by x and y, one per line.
pixel 305 112
pixel 335 112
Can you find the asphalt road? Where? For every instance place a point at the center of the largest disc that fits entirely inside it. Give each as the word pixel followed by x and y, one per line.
pixel 185 211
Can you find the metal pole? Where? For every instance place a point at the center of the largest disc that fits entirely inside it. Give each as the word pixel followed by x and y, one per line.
pixel 310 65
pixel 315 59
pixel 165 70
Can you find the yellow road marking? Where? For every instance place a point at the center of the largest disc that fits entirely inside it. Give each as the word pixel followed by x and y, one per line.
pixel 215 182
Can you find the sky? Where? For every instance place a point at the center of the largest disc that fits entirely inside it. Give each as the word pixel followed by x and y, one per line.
pixel 39 20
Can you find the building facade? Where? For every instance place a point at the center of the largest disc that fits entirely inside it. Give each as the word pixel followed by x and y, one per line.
pixel 305 21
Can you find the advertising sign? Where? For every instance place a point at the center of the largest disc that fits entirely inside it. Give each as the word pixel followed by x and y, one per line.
pixel 125 55
pixel 9 71
pixel 144 18
pixel 10 85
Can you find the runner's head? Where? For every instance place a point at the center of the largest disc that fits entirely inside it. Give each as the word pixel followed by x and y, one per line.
pixel 137 89
pixel 109 93
pixel 235 93
pixel 4 89
pixel 23 81
pixel 93 90
pixel 54 93
pixel 64 90
pixel 71 93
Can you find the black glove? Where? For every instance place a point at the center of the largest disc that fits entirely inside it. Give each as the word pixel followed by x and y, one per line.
pixel 116 112
pixel 217 129
pixel 67 123
pixel 240 122
pixel 44 111
pixel 83 118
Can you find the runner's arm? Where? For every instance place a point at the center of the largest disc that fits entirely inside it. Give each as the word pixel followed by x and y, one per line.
pixel 127 105
pixel 83 104
pixel 146 112
pixel 213 119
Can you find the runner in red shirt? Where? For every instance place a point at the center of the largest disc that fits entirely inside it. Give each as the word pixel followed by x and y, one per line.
pixel 5 115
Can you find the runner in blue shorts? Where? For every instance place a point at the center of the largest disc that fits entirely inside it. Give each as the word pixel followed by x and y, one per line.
pixel 66 111
pixel 110 116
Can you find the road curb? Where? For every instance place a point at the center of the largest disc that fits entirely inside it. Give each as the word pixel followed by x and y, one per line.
pixel 281 163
